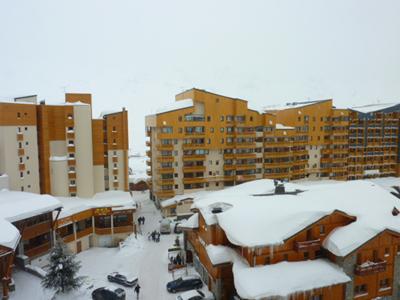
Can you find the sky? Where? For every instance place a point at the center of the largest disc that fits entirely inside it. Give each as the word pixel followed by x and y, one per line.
pixel 139 54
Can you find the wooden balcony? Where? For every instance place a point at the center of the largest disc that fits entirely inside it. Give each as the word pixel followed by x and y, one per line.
pixel 21 167
pixel 148 153
pixel 246 145
pixel 35 230
pixel 71 162
pixel 245 155
pixel 229 167
pixel 229 156
pixel 72 189
pixel 194 180
pixel 71 175
pixel 69 238
pixel 85 232
pixel 245 177
pixel 165 158
pixel 115 171
pixel 21 152
pixel 165 193
pixel 20 136
pixel 165 170
pixel 195 157
pixel 148 143
pixel 70 135
pixel 161 147
pixel 194 146
pixel 165 181
pixel 245 167
pixel 71 149
pixel 39 250
pixel 369 268
pixel 194 169
pixel 115 159
pixel 115 184
pixel 312 245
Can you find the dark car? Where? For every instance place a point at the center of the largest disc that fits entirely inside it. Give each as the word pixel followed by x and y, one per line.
pixel 177 228
pixel 122 279
pixel 184 284
pixel 108 293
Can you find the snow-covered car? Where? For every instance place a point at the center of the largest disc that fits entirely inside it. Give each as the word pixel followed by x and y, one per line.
pixel 165 226
pixel 184 283
pixel 194 295
pixel 108 293
pixel 122 279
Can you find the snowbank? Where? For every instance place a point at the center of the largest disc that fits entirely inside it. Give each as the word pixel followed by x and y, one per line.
pixel 266 281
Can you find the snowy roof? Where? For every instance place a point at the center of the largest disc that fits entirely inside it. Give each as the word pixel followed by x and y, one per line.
pixel 291 105
pixel 192 222
pixel 373 107
pixel 180 104
pixel 15 206
pixel 58 158
pixel 139 169
pixel 179 198
pixel 73 205
pixel 250 282
pixel 288 214
pixel 9 235
pixel 283 127
pixel 220 254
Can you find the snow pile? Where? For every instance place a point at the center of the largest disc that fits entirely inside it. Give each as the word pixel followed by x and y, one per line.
pixel 248 222
pixel 9 235
pixel 266 281
pixel 138 166
pixel 115 199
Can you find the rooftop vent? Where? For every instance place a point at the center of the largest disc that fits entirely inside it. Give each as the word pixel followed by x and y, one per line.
pixel 279 187
pixel 217 210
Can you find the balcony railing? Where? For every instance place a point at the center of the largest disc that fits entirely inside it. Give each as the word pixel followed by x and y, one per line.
pixel 370 267
pixel 308 245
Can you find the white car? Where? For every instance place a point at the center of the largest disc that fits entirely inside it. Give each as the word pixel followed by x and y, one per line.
pixel 194 295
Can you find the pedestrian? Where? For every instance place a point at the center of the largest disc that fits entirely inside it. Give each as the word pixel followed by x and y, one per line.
pixel 178 260
pixel 153 236
pixel 143 219
pixel 137 290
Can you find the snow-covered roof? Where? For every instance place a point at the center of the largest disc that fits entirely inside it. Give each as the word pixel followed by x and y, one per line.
pixel 283 127
pixel 373 107
pixel 291 105
pixel 139 169
pixel 220 254
pixel 192 222
pixel 180 104
pixel 288 214
pixel 58 158
pixel 74 205
pixel 9 235
pixel 266 281
pixel 16 206
pixel 179 198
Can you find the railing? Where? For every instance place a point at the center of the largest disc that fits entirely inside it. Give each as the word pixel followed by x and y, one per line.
pixel 84 232
pixel 38 250
pixel 308 245
pixel 370 267
pixel 123 229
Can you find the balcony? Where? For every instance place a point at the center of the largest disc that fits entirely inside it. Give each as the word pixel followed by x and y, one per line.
pixel 70 135
pixel 189 169
pixel 162 147
pixel 71 148
pixel 229 167
pixel 21 167
pixel 370 267
pixel 194 180
pixel 148 172
pixel 165 170
pixel 164 159
pixel 71 175
pixel 165 194
pixel 194 146
pixel 20 136
pixel 165 181
pixel 312 245
pixel 245 177
pixel 21 152
pixel 245 167
pixel 194 157
pixel 148 143
pixel 246 145
pixel 148 153
pixel 71 162
pixel 229 156
pixel 245 155
pixel 148 163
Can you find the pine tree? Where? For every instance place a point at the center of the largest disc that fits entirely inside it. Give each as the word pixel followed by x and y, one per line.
pixel 62 274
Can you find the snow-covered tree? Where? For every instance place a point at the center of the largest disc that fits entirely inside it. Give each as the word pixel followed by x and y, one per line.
pixel 62 274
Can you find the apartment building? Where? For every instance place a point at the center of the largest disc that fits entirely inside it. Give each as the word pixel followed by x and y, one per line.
pixel 336 241
pixel 59 149
pixel 208 141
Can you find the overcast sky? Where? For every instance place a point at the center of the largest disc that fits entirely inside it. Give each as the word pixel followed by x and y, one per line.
pixel 139 54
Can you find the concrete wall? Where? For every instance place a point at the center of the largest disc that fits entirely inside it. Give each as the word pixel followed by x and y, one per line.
pixel 83 151
pixel 98 178
pixel 10 160
pixel 59 177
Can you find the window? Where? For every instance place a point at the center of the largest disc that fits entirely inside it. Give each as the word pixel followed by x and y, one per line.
pixel 212 129
pixel 306 255
pixel 286 257
pixel 18 115
pixel 316 297
pixel 251 119
pixel 83 224
pixel 22 188
pixel 222 129
pixel 19 129
pixel 28 172
pixel 71 155
pixel 19 145
pixel 21 174
pixel 176 186
pixel 20 160
pixel 321 229
pixel 114 128
pixel 72 182
pixel 26 143
pixel 166 130
pixel 70 142
pixel 180 118
pixel 387 252
pixel 222 118
pixel 384 283
pixel 208 118
pixel 69 117
pixel 361 289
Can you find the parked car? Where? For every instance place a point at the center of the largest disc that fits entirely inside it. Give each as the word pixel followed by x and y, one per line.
pixel 108 293
pixel 184 284
pixel 165 226
pixel 122 279
pixel 194 295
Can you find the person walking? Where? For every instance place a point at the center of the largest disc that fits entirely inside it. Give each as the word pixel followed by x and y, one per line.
pixel 143 219
pixel 137 290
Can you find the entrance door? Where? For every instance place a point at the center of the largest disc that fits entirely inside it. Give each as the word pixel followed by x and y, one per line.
pixel 189 257
pixel 78 247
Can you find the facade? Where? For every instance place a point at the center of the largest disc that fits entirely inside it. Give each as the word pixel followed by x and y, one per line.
pixel 206 141
pixel 60 150
pixel 326 246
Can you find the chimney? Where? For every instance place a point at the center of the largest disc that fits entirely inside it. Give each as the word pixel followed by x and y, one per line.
pixel 279 187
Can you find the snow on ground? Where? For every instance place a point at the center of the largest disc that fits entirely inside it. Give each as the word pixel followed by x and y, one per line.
pixel 138 257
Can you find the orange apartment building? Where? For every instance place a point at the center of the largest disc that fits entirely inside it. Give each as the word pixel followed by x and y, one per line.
pixel 59 149
pixel 208 141
pixel 333 255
